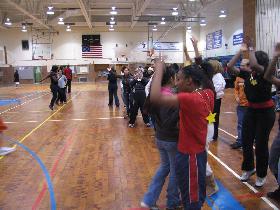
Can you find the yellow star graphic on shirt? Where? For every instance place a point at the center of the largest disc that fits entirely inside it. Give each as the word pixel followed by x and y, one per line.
pixel 254 82
pixel 211 118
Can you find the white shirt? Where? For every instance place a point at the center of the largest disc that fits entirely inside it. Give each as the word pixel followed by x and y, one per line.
pixel 219 84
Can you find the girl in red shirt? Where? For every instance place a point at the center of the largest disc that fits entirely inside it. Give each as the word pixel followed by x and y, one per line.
pixel 195 101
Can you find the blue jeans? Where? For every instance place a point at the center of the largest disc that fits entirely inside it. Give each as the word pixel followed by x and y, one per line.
pixel 167 151
pixel 241 110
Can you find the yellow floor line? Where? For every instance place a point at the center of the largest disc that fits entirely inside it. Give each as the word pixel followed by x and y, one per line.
pixel 34 129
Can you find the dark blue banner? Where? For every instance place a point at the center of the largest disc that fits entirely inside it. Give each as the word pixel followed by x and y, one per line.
pixel 238 39
pixel 214 40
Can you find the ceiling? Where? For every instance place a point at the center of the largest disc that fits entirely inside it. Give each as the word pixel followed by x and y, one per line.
pixel 95 14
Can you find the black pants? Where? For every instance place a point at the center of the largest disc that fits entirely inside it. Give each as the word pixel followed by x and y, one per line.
pixel 54 90
pixel 257 124
pixel 139 98
pixel 61 95
pixel 69 85
pixel 217 107
pixel 113 92
pixel 126 101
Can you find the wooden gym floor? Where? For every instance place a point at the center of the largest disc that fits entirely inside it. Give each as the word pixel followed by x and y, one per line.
pixel 95 161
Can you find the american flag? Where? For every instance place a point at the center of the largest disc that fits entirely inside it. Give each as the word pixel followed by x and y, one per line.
pixel 92 51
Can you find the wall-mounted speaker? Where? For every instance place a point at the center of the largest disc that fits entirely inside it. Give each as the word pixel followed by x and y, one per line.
pixel 25 44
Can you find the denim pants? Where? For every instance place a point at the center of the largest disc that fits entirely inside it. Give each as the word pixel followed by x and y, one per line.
pixel 241 110
pixel 167 151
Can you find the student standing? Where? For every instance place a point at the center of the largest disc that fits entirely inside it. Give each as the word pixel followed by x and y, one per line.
pixel 138 98
pixel 242 102
pixel 260 116
pixel 113 87
pixel 166 132
pixel 126 79
pixel 62 81
pixel 195 102
pixel 54 85
pixel 219 84
pixel 68 74
pixel 16 78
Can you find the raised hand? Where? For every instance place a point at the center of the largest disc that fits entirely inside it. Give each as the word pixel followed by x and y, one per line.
pixel 194 41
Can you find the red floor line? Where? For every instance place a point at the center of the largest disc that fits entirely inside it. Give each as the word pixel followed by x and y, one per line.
pixel 58 158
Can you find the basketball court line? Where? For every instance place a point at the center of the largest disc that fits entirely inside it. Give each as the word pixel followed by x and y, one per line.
pixel 14 107
pixel 266 200
pixel 40 125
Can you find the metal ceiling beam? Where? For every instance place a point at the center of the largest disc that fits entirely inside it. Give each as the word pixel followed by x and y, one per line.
pixel 17 7
pixel 84 11
pixel 138 11
pixel 66 14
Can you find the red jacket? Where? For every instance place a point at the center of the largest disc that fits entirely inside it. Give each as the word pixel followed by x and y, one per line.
pixel 68 73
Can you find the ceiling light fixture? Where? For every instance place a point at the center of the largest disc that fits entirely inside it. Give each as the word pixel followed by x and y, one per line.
pixel 113 12
pixel 112 21
pixel 68 28
pixel 162 21
pixel 50 10
pixel 155 28
pixel 60 21
pixel 175 11
pixel 203 23
pixel 111 28
pixel 24 29
pixel 223 14
pixel 8 22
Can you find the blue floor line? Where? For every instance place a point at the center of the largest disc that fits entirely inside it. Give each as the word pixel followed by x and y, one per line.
pixel 224 200
pixel 44 169
pixel 4 102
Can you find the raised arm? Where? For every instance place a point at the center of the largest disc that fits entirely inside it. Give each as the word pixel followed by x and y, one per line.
pixel 235 58
pixel 155 95
pixel 270 72
pixel 187 56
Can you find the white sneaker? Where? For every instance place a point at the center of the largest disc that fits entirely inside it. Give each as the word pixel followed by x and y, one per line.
pixel 246 175
pixel 6 150
pixel 143 205
pixel 131 125
pixel 260 181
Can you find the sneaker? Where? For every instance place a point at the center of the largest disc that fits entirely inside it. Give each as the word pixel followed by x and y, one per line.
pixel 274 195
pixel 6 150
pixel 131 125
pixel 51 107
pixel 246 175
pixel 236 145
pixel 148 125
pixel 144 205
pixel 260 181
pixel 211 185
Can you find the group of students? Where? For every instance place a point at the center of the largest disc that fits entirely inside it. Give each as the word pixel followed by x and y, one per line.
pixel 61 78
pixel 192 97
pixel 133 91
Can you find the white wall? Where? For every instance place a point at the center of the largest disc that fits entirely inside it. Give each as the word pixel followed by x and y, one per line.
pixel 67 47
pixel 231 25
pixel 267 25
